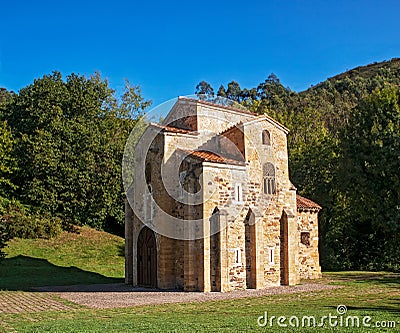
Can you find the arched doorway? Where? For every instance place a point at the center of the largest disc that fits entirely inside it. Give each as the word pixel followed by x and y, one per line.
pixel 147 258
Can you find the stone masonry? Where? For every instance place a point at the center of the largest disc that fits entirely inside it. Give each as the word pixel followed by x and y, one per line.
pixel 216 210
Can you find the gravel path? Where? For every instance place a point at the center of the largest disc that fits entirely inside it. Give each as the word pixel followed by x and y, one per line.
pixel 121 295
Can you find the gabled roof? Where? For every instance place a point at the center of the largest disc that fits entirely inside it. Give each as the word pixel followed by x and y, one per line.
pixel 306 204
pixel 207 156
pixel 226 107
pixel 237 126
pixel 270 120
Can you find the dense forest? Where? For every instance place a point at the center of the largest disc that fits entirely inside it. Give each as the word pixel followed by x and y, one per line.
pixel 62 142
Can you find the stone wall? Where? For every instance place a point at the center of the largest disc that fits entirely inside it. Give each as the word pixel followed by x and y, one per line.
pixel 307 225
pixel 272 207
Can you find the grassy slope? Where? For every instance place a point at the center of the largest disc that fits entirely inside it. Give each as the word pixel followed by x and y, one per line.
pixel 88 257
pixel 97 257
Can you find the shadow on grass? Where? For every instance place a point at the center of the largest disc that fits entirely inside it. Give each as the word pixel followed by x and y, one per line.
pixel 370 280
pixel 25 273
pixel 383 278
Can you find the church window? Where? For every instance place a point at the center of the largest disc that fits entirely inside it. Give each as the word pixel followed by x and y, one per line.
pixel 238 257
pixel 238 192
pixel 147 175
pixel 271 254
pixel 182 176
pixel 269 178
pixel 266 138
pixel 148 204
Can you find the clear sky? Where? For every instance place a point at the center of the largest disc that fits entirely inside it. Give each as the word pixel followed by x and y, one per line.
pixel 167 47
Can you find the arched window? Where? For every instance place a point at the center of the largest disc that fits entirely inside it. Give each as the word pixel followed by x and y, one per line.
pixel 214 221
pixel 269 178
pixel 148 204
pixel 147 175
pixel 266 138
pixel 182 176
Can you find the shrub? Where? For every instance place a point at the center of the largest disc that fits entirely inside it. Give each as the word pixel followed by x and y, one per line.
pixel 33 225
pixel 4 236
pixel 20 221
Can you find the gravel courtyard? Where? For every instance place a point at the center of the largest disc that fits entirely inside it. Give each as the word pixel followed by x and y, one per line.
pixel 120 295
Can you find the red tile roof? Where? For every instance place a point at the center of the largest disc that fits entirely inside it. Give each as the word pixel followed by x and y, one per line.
pixel 173 129
pixel 306 204
pixel 207 156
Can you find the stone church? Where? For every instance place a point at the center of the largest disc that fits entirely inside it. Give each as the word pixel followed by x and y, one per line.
pixel 212 207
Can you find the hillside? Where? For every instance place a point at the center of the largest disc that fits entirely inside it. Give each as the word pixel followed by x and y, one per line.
pixel 368 71
pixel 86 257
pixel 335 98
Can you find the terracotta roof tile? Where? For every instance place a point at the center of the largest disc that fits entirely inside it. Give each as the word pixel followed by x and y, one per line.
pixel 173 129
pixel 207 156
pixel 306 204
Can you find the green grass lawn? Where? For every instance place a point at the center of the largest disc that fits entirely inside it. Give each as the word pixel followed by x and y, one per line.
pixel 86 257
pixel 376 295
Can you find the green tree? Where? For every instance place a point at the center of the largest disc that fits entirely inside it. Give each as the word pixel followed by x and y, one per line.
pixel 7 160
pixel 233 92
pixel 274 96
pixel 71 136
pixel 371 182
pixel 4 236
pixel 6 98
pixel 204 88
pixel 7 168
pixel 221 91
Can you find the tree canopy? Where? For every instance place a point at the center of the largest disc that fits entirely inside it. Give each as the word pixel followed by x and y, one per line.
pixel 204 88
pixel 69 140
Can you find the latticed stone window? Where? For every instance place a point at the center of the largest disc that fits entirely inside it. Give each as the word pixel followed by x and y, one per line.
pixel 266 138
pixel 269 178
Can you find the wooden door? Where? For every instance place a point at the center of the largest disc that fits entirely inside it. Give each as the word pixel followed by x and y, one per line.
pixel 147 258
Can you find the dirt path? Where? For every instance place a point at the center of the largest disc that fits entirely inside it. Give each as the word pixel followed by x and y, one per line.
pixel 121 295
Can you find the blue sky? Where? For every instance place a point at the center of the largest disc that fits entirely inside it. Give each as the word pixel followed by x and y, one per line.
pixel 167 47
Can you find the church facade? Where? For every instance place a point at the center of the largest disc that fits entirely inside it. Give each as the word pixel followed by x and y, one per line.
pixel 213 208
